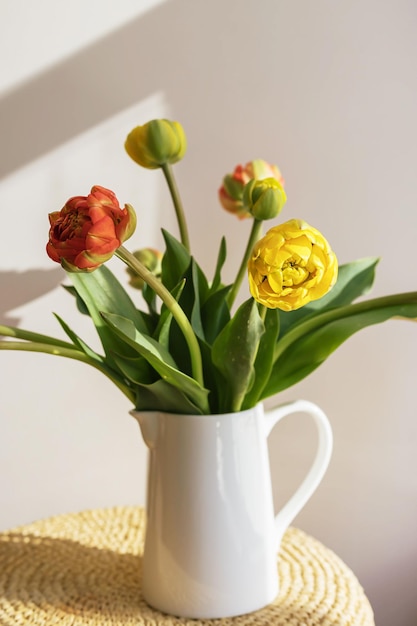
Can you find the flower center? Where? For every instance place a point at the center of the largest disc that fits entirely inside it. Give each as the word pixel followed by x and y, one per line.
pixel 70 225
pixel 293 273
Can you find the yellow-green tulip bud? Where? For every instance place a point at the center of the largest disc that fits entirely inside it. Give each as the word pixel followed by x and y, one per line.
pixel 151 259
pixel 157 143
pixel 264 199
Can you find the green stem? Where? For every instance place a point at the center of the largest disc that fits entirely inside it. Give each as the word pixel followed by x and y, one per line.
pixel 18 333
pixel 169 176
pixel 172 305
pixel 317 320
pixel 253 238
pixel 56 350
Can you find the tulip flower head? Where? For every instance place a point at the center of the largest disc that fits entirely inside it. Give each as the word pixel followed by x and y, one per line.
pixel 151 259
pixel 87 231
pixel 231 191
pixel 157 143
pixel 264 199
pixel 290 266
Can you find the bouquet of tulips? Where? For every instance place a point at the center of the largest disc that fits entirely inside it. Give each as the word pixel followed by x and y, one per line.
pixel 191 350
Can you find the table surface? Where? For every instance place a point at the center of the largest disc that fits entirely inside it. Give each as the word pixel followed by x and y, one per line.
pixel 84 569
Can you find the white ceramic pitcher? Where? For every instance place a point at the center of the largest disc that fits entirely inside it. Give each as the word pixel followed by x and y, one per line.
pixel 212 537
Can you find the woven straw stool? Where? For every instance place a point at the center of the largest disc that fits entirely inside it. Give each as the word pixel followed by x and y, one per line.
pixel 85 570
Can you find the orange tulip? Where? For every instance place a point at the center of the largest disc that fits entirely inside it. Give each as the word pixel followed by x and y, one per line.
pixel 88 230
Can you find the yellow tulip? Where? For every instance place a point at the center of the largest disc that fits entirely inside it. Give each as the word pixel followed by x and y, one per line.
pixel 290 266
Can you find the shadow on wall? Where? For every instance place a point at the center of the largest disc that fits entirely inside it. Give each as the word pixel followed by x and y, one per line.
pixel 70 98
pixel 89 87
pixel 130 64
pixel 19 288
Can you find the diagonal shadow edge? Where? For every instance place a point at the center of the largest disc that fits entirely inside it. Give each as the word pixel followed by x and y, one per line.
pixel 89 87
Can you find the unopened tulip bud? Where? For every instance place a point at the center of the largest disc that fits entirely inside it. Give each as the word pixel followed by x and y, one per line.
pixel 151 259
pixel 264 199
pixel 157 143
pixel 231 191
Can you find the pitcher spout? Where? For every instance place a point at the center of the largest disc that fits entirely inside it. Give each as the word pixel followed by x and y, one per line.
pixel 148 424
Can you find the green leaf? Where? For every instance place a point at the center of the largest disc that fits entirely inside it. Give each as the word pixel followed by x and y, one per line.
pixel 136 369
pixel 213 379
pixel 175 261
pixel 308 344
pixel 102 293
pixel 234 353
pixel 221 258
pixel 215 314
pixel 178 266
pixel 264 358
pixel 354 280
pixel 149 296
pixel 162 330
pixel 161 396
pixel 78 342
pixel 141 342
pixel 159 358
pixel 194 294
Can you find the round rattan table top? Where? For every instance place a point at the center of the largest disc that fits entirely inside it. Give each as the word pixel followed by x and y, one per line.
pixel 84 569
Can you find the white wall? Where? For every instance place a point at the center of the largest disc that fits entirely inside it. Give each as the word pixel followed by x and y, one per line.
pixel 325 89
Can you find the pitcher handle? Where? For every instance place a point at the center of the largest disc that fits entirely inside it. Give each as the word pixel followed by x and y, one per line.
pixel 318 467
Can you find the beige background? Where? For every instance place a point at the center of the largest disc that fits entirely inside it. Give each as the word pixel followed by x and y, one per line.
pixel 325 89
